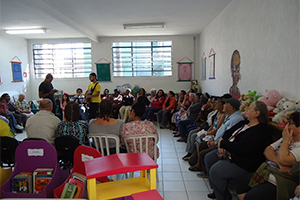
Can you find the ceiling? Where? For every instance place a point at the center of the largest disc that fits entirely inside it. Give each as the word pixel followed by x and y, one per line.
pixel 105 18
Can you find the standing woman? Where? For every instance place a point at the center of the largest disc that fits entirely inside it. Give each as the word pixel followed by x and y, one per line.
pixel 156 104
pixel 72 125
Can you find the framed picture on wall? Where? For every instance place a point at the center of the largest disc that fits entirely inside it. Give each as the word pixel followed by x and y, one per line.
pixel 212 64
pixel 203 77
pixel 16 69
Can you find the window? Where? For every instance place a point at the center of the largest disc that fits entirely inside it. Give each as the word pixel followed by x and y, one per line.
pixel 69 60
pixel 148 58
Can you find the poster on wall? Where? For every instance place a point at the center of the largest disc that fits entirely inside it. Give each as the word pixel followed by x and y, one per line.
pixel 16 69
pixel 212 64
pixel 185 69
pixel 203 77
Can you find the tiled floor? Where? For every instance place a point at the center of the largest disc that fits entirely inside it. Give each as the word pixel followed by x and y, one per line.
pixel 176 182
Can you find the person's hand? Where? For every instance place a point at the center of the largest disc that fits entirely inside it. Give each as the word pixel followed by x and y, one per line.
pixel 219 142
pixel 297 191
pixel 286 134
pixel 172 110
pixel 211 143
pixel 198 129
pixel 88 96
pixel 53 91
pixel 3 104
pixel 221 150
pixel 285 169
pixel 202 135
pixel 164 109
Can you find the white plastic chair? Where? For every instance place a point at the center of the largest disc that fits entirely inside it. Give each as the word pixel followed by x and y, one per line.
pixel 138 148
pixel 101 142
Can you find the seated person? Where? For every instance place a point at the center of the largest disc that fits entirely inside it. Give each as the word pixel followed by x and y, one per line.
pixel 105 124
pixel 191 115
pixel 139 127
pixel 116 99
pixel 233 116
pixel 79 99
pixel 216 124
pixel 142 98
pixel 151 97
pixel 20 118
pixel 5 130
pixel 72 125
pixel 156 104
pixel 237 158
pixel 105 94
pixel 179 102
pixel 281 156
pixel 9 116
pixel 23 107
pixel 168 106
pixel 127 102
pixel 44 123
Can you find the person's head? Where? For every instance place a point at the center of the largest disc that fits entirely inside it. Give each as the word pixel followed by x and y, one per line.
pixel 105 109
pixel 72 112
pixel 6 97
pixel 46 104
pixel 127 91
pixel 105 92
pixel 79 91
pixel 294 123
pixel 235 67
pixel 116 92
pixel 204 98
pixel 181 94
pixel 192 97
pixel 93 77
pixel 21 97
pixel 198 97
pixel 231 105
pixel 171 94
pixel 65 97
pixel 49 78
pixel 2 101
pixel 142 92
pixel 219 104
pixel 258 110
pixel 137 111
pixel 160 93
pixel 153 92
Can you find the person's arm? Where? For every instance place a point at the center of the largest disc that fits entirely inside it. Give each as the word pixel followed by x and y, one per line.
pixel 213 132
pixel 285 157
pixel 3 111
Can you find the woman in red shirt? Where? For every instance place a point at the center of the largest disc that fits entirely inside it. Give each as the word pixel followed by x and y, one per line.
pixel 156 104
pixel 164 113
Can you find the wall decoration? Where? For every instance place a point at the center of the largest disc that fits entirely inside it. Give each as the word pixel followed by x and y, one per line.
pixel 203 67
pixel 185 69
pixel 235 74
pixel 16 69
pixel 103 70
pixel 212 64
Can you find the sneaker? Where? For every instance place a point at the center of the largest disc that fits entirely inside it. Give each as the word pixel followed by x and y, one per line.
pixel 202 175
pixel 186 157
pixel 19 127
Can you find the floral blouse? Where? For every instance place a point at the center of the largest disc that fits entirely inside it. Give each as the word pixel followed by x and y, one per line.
pixel 140 128
pixel 79 129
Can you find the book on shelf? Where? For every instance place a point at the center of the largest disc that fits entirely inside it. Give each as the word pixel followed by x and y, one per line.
pixel 41 178
pixel 69 191
pixel 22 183
pixel 80 185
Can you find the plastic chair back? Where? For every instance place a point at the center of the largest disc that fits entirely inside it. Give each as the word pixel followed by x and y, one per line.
pixel 137 142
pixel 8 148
pixel 65 147
pixel 101 142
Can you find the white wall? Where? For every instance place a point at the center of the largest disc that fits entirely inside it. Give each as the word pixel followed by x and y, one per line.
pixel 11 46
pixel 266 33
pixel 182 46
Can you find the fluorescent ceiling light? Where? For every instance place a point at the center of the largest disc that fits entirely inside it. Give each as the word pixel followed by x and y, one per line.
pixel 25 31
pixel 144 25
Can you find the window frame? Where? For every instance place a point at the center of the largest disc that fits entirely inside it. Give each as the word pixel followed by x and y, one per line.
pixel 135 69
